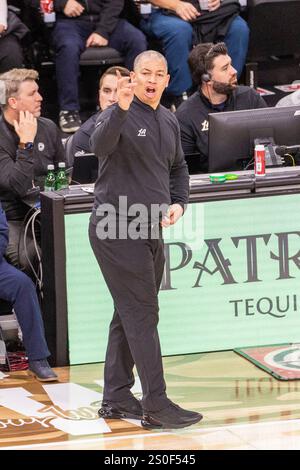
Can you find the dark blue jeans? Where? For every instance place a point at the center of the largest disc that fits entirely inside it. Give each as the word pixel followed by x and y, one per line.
pixel 19 290
pixel 69 37
pixel 177 37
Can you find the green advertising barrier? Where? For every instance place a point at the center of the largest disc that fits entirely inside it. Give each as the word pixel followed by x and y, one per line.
pixel 231 280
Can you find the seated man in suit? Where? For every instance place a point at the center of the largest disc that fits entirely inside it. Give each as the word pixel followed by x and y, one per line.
pixel 18 289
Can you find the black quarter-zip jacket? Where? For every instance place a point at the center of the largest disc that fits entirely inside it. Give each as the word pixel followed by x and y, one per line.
pixel 140 156
pixel 21 169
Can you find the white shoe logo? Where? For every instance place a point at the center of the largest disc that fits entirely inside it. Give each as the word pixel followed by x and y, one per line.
pixel 142 133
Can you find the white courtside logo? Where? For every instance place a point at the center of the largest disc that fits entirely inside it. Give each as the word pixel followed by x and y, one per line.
pixel 74 409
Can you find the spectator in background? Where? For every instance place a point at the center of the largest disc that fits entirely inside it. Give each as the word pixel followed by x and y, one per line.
pixel 107 96
pixel 12 31
pixel 218 90
pixel 79 143
pixel 180 24
pixel 28 143
pixel 81 24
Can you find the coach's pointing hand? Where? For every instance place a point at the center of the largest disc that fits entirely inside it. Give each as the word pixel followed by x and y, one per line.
pixel 125 91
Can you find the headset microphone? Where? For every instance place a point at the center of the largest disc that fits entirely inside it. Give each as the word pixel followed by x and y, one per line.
pixel 206 77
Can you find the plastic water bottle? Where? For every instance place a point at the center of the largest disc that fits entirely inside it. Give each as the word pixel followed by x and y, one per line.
pixel 61 177
pixel 50 179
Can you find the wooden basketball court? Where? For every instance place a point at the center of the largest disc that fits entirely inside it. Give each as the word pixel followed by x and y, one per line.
pixel 243 408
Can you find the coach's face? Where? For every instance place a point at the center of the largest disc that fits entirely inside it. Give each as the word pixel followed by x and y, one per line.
pixel 151 77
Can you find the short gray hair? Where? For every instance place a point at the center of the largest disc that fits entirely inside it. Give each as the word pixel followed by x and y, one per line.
pixel 148 55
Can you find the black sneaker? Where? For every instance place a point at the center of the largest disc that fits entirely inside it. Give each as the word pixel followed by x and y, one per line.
pixel 131 409
pixel 172 417
pixel 69 121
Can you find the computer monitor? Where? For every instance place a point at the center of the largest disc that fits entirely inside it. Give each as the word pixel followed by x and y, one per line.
pixel 232 134
pixel 85 168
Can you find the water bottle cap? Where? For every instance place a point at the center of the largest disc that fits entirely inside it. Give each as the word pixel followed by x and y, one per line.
pixel 50 167
pixel 61 165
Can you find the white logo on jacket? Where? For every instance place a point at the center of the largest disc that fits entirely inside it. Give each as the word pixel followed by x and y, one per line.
pixel 142 133
pixel 41 146
pixel 204 125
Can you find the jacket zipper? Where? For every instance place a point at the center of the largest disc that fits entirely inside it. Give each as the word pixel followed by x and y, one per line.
pixel 86 5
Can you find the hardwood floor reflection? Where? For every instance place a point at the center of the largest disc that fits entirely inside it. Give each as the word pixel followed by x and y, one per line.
pixel 243 408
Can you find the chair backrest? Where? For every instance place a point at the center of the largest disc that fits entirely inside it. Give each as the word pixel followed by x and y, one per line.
pixel 8 320
pixel 69 154
pixel 274 28
pixel 101 56
pixel 8 327
pixel 9 323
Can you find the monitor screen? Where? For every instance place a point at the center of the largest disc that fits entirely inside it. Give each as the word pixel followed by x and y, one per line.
pixel 85 168
pixel 232 134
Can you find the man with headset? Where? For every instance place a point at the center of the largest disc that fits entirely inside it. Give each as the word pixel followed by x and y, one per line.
pixel 181 24
pixel 218 91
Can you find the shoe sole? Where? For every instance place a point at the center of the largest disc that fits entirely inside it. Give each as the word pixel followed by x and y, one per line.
pixel 50 379
pixel 118 415
pixel 166 425
pixel 69 129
